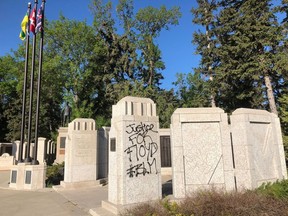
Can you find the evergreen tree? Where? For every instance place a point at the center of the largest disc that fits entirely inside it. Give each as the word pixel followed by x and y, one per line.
pixel 206 41
pixel 192 91
pixel 248 35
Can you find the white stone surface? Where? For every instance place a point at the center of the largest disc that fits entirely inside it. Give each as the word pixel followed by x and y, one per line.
pixel 6 161
pixel 41 150
pixel 201 154
pixel 135 165
pixel 258 148
pixel 37 180
pixel 81 151
pixel 15 149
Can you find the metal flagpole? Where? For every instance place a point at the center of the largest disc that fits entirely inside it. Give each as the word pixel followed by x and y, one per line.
pixel 27 153
pixel 41 29
pixel 20 151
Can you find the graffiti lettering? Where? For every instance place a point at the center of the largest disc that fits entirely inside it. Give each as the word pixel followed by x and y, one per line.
pixel 141 150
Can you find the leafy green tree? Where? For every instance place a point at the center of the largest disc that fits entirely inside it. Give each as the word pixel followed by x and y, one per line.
pixel 150 22
pixel 8 94
pixel 72 44
pixel 123 68
pixel 51 94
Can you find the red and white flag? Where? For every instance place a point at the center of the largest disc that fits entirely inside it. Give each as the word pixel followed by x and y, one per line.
pixel 33 20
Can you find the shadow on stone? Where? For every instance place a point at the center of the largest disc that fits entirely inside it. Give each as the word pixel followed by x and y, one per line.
pixel 167 188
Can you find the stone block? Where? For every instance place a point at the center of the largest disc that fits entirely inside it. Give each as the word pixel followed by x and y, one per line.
pixel 28 177
pixel 81 151
pixel 258 148
pixel 134 152
pixel 201 150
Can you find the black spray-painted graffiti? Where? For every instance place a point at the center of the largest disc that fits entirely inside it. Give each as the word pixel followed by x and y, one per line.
pixel 141 150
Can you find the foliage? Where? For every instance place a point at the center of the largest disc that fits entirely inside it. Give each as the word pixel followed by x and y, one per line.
pixel 91 67
pixel 54 174
pixel 149 22
pixel 9 69
pixel 278 189
pixel 213 202
pixel 242 52
pixel 242 44
pixel 192 90
pixel 206 41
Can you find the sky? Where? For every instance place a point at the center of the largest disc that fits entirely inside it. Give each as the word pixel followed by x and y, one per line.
pixel 178 52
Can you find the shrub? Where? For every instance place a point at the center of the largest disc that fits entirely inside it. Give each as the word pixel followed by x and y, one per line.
pixel 212 202
pixel 54 174
pixel 278 189
pixel 146 209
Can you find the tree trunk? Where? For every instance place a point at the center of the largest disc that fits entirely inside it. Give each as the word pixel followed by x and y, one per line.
pixel 270 95
pixel 151 69
pixel 212 97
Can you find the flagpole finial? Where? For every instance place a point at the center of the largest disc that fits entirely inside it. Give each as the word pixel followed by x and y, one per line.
pixel 36 1
pixel 29 4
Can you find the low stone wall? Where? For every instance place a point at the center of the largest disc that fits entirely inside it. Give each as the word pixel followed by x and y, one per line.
pixel 6 162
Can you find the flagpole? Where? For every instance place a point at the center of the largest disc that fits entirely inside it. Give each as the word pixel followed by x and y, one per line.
pixel 27 153
pixel 35 161
pixel 20 151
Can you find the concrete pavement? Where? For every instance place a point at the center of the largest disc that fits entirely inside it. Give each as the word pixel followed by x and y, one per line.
pixel 47 201
pixel 58 202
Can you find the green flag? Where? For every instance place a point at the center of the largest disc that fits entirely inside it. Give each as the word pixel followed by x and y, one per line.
pixel 24 23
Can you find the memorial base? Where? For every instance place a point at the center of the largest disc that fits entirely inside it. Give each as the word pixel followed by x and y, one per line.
pixel 109 209
pixel 83 184
pixel 27 177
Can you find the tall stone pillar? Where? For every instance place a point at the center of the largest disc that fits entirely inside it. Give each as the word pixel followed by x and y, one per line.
pixel 134 152
pixel 81 152
pixel 258 148
pixel 15 149
pixel 41 150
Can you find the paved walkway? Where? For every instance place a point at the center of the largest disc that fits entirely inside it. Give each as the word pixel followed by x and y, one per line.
pixel 63 202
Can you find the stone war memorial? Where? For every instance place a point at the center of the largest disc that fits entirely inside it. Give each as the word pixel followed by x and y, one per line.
pixel 85 154
pixel 208 152
pixel 201 150
pixel 134 155
pixel 204 148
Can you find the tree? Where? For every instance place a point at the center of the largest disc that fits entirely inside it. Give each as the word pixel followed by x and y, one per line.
pixel 72 45
pixel 150 22
pixel 206 41
pixel 8 94
pixel 248 35
pixel 193 91
pixel 131 57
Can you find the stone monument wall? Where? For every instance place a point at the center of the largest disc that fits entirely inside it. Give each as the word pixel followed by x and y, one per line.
pixel 258 148
pixel 201 150
pixel 207 152
pixel 134 154
pixel 81 151
pixel 6 161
